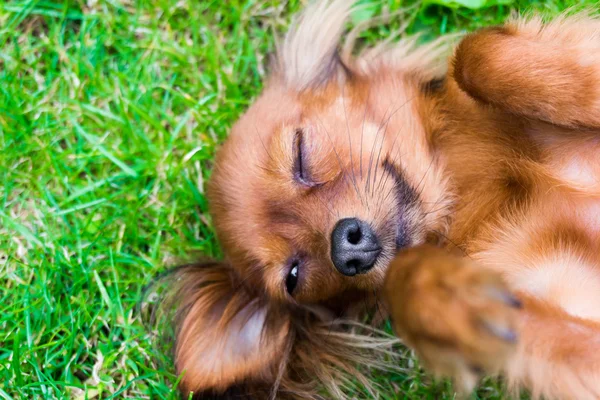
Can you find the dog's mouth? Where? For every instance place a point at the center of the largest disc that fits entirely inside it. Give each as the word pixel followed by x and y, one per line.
pixel 396 233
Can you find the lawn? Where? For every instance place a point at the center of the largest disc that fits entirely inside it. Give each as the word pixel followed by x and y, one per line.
pixel 110 112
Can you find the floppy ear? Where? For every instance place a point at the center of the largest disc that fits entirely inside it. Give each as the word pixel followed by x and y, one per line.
pixel 231 344
pixel 226 338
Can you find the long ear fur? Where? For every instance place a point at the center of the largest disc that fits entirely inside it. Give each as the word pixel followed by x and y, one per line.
pixel 224 336
pixel 309 56
pixel 230 344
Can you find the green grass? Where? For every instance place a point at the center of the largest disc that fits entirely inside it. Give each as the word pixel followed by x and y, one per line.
pixel 110 112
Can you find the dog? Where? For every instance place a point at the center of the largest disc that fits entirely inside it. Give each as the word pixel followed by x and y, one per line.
pixel 460 191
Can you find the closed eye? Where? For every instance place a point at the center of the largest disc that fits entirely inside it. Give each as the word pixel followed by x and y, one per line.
pixel 301 170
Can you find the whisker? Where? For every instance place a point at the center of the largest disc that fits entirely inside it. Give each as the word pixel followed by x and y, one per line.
pixel 373 151
pixel 391 150
pixel 438 209
pixel 267 169
pixel 339 160
pixel 453 243
pixel 387 123
pixel 392 188
pixel 253 272
pixel 420 191
pixel 362 133
pixel 366 305
pixel 263 143
pixel 327 206
pixel 350 145
pixel 376 296
pixel 338 316
pixel 378 158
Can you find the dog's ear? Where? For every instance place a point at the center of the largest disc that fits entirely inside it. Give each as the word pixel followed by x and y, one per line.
pixel 308 58
pixel 226 338
pixel 232 344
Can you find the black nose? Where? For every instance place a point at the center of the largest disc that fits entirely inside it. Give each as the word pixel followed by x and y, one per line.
pixel 354 247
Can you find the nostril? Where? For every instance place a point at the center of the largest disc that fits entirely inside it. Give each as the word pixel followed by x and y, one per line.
pixel 354 246
pixel 354 236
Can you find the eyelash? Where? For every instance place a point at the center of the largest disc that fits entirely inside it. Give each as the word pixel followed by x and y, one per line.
pixel 301 174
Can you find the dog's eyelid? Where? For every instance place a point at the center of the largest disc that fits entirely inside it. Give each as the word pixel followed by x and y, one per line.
pixel 299 167
pixel 301 172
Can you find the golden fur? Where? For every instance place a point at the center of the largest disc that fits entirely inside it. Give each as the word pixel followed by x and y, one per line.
pixel 496 155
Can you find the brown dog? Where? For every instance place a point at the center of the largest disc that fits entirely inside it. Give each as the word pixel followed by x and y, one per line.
pixel 345 160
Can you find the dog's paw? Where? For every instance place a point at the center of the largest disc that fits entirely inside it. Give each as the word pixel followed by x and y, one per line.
pixel 460 318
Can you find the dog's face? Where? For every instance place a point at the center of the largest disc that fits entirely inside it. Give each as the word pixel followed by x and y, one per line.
pixel 316 189
pixel 320 182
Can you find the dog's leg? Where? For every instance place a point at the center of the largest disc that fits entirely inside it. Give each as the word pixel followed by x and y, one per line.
pixel 459 317
pixel 558 355
pixel 549 72
pixel 462 321
pixel 551 262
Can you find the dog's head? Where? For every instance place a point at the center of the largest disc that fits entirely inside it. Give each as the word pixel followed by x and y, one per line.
pixel 328 173
pixel 320 182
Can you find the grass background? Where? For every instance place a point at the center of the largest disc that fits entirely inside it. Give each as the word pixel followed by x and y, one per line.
pixel 110 112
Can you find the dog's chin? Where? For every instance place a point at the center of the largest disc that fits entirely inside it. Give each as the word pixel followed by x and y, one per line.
pixel 372 281
pixel 393 238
